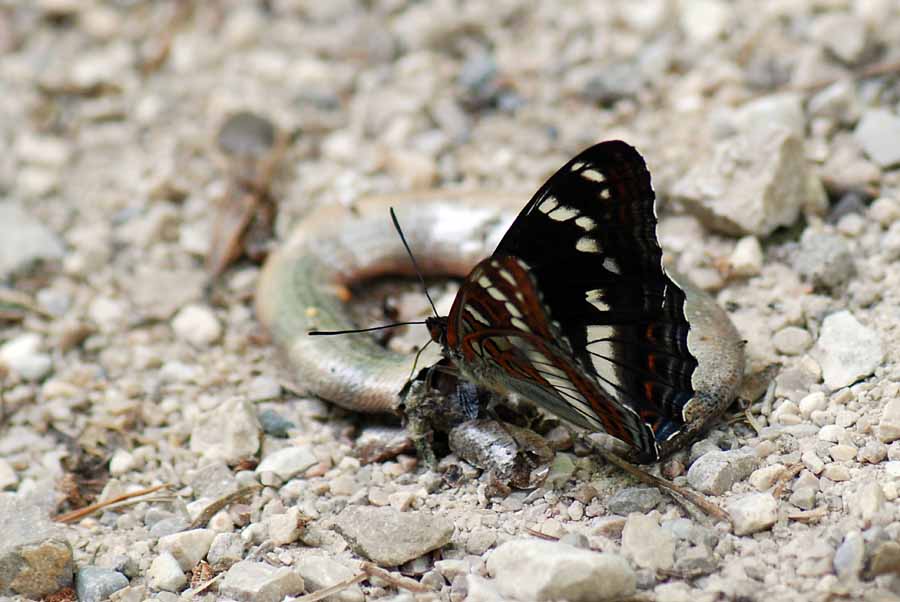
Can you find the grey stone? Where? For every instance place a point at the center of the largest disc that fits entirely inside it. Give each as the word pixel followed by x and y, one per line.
pixel 869 500
pixel 94 584
pixel 804 497
pixel 849 557
pixel 777 110
pixel 843 34
pixel 288 462
pixel 634 499
pixel 284 528
pixel 716 471
pixel 35 556
pixel 889 425
pixel 24 241
pixel 250 581
pixel 753 184
pixel 752 512
pixel 696 560
pixel 319 572
pixel 165 573
pixel 824 260
pixel 878 132
pixel 529 569
pixel 389 537
pixel 228 433
pixel 225 550
pixel 792 340
pixel 24 357
pixel 647 544
pixel 213 480
pixel 747 258
pixel 188 547
pixel 198 325
pixel 274 424
pixel 846 350
pixel 882 554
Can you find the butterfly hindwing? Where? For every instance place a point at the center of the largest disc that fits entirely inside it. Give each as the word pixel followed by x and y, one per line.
pixel 575 299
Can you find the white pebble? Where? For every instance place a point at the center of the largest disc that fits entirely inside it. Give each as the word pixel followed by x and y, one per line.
pixel 792 340
pixel 752 512
pixel 22 355
pixel 165 573
pixel 747 257
pixel 197 324
pixel 813 402
pixel 122 461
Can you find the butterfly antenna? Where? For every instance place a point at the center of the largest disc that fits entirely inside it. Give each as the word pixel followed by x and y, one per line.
pixel 412 258
pixel 314 333
pixel 416 361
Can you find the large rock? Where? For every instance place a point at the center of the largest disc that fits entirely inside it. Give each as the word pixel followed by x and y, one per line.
pixel 35 556
pixel 878 133
pixel 533 569
pixel 389 537
pixel 715 472
pixel 24 241
pixel 250 581
pixel 754 183
pixel 846 350
pixel 228 433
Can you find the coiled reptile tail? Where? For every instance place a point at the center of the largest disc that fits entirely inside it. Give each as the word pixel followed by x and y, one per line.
pixel 305 285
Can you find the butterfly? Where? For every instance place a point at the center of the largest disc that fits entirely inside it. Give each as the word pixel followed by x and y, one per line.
pixel 575 311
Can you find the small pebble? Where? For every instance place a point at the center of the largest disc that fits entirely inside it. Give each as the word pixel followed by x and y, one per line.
pixel 187 547
pixel 889 425
pixel 715 472
pixel 792 340
pixel 23 356
pixel 747 258
pixel 287 462
pixel 198 325
pixel 165 573
pixel 94 584
pixel 878 132
pixel 647 544
pixel 529 569
pixel 252 581
pixel 847 350
pixel 752 512
pixel 634 499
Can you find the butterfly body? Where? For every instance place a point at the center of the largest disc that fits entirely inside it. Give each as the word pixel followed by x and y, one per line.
pixel 575 312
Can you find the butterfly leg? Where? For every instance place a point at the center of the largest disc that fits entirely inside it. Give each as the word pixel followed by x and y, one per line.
pixel 680 494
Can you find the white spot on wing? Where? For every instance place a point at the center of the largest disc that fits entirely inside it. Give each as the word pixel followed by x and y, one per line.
pixel 599 332
pixel 587 245
pixel 563 213
pixel 593 175
pixel 485 282
pixel 577 165
pixel 585 223
pixel 508 277
pixel 520 324
pixel 602 348
pixel 611 265
pixel 605 194
pixel 496 294
pixel 601 305
pixel 477 315
pixel 513 310
pixel 548 204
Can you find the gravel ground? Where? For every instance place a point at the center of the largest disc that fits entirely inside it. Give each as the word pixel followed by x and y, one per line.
pixel 772 130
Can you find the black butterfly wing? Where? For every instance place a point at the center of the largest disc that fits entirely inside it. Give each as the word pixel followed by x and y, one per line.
pixel 501 333
pixel 588 239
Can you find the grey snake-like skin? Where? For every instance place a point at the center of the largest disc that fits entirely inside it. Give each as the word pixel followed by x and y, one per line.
pixel 305 286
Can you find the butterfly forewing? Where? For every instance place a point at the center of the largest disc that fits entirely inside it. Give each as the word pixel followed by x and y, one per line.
pixel 575 310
